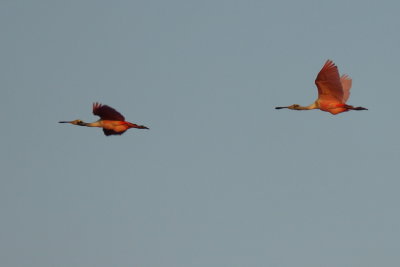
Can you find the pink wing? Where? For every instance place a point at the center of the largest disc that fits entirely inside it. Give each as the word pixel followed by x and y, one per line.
pixel 328 83
pixel 346 84
pixel 107 113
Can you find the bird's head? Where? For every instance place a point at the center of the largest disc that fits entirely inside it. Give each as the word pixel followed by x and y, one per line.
pixel 294 106
pixel 75 122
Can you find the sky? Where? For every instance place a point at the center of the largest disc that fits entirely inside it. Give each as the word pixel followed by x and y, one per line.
pixel 221 178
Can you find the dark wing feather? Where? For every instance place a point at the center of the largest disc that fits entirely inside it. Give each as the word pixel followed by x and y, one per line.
pixel 111 132
pixel 107 113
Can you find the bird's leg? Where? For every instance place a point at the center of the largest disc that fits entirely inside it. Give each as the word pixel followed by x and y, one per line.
pixel 132 125
pixel 359 108
pixel 354 108
pixel 141 127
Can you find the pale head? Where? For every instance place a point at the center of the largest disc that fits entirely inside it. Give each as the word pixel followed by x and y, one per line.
pixel 298 107
pixel 75 122
pixel 294 107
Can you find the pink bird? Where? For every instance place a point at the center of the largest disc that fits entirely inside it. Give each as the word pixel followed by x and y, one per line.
pixel 333 91
pixel 112 122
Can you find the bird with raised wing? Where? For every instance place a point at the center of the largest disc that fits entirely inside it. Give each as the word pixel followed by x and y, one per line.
pixel 333 91
pixel 112 122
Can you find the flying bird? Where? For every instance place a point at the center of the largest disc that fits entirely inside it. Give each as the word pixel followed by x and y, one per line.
pixel 112 122
pixel 333 91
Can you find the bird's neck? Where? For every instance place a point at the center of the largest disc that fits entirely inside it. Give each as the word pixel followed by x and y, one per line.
pixel 93 124
pixel 312 106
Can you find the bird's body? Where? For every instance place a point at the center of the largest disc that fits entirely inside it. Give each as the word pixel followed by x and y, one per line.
pixel 333 91
pixel 112 122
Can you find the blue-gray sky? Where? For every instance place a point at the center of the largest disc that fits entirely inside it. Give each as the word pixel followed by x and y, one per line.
pixel 221 178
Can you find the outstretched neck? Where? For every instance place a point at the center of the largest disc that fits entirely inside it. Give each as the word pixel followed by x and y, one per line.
pixel 298 107
pixel 312 106
pixel 92 124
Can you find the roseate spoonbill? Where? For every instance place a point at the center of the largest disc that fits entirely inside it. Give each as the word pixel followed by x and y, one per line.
pixel 112 122
pixel 333 91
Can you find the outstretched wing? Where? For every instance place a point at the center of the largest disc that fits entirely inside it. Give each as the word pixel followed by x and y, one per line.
pixel 107 113
pixel 346 84
pixel 111 132
pixel 328 83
